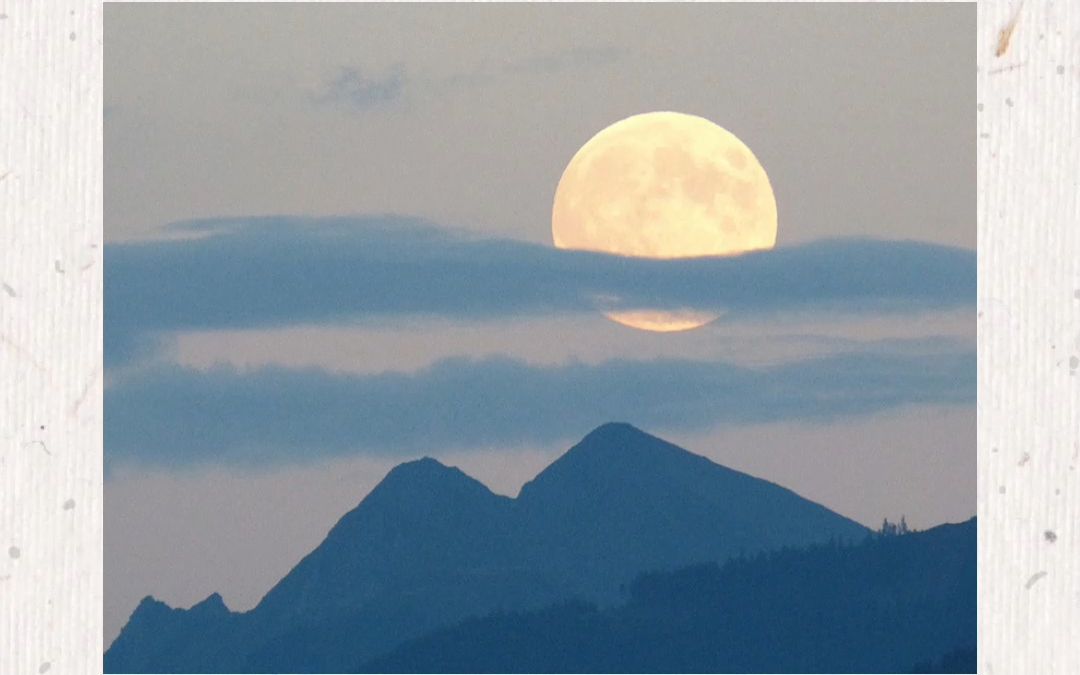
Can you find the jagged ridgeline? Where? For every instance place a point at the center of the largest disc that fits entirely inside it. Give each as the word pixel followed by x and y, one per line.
pixel 562 565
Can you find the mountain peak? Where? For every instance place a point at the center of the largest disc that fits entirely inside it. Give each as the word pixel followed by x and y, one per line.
pixel 150 605
pixel 422 474
pixel 620 443
pixel 610 430
pixel 422 483
pixel 614 434
pixel 613 454
pixel 423 466
pixel 212 604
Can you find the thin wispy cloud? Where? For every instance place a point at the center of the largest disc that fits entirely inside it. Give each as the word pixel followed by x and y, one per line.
pixel 492 70
pixel 178 417
pixel 356 89
pixel 577 57
pixel 281 271
pixel 361 89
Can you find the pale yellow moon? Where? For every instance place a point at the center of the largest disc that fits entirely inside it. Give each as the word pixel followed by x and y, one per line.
pixel 664 185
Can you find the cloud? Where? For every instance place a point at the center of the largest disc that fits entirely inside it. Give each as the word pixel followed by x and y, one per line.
pixel 577 57
pixel 491 70
pixel 285 271
pixel 352 88
pixel 172 416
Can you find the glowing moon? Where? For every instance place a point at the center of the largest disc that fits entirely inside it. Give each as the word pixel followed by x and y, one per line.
pixel 664 185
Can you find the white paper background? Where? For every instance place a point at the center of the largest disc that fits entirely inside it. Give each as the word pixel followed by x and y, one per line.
pixel 50 337
pixel 1029 338
pixel 51 309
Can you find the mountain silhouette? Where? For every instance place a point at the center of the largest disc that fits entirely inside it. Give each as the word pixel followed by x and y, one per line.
pixel 624 500
pixel 897 604
pixel 431 546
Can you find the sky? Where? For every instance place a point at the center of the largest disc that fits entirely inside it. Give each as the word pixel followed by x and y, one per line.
pixel 328 250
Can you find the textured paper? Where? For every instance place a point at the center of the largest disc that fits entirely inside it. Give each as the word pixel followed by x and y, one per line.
pixel 50 337
pixel 1028 119
pixel 1028 148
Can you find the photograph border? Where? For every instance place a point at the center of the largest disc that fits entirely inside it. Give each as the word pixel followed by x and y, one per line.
pixel 51 195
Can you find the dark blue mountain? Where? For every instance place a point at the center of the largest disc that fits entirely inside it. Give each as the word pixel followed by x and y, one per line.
pixel 430 546
pixel 893 604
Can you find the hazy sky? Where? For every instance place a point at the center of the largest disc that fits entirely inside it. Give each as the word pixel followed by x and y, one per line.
pixel 264 373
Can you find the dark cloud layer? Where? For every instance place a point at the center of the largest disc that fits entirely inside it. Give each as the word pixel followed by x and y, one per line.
pixel 277 271
pixel 177 417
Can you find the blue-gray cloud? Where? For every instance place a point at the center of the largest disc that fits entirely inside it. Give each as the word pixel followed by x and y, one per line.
pixel 278 271
pixel 173 416
pixel 560 61
pixel 491 70
pixel 352 88
pixel 357 89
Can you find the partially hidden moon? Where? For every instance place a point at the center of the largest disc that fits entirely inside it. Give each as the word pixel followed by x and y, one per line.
pixel 664 185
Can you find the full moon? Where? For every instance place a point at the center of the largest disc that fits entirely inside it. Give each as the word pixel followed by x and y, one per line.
pixel 664 185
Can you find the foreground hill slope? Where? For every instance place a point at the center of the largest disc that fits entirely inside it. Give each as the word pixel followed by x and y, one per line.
pixel 896 604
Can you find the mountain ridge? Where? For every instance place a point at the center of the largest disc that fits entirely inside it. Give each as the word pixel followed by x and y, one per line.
pixel 430 545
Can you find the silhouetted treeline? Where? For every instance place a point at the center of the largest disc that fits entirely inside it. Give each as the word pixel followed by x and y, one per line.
pixel 893 529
